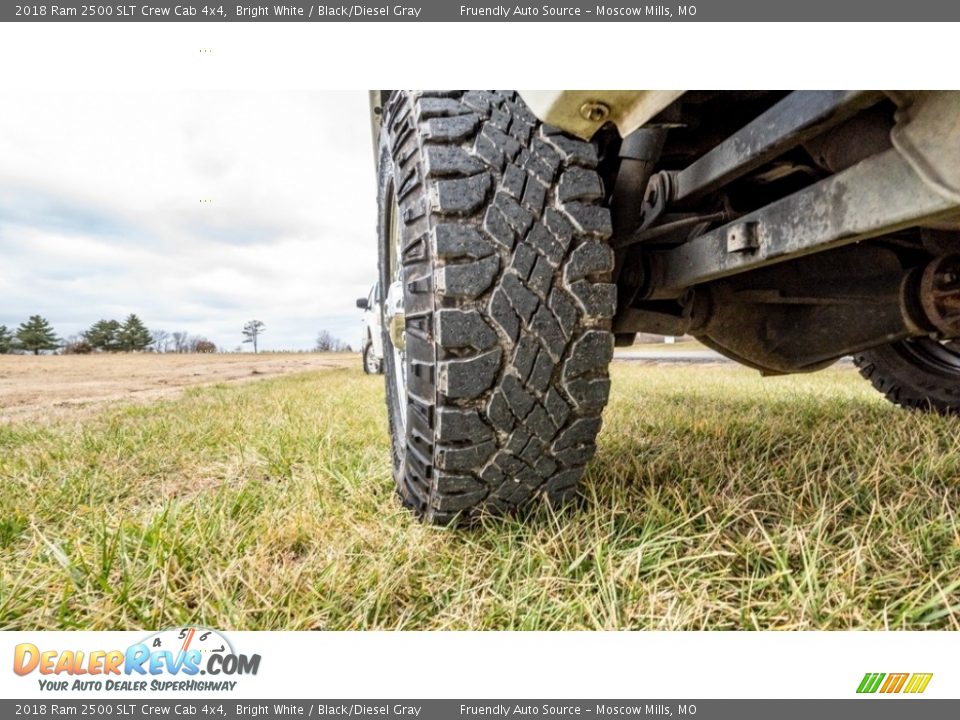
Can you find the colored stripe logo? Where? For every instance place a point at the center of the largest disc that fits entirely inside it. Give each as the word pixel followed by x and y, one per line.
pixel 913 683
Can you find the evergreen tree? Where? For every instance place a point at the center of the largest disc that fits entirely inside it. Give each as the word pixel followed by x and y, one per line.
pixel 133 335
pixel 36 335
pixel 6 340
pixel 104 335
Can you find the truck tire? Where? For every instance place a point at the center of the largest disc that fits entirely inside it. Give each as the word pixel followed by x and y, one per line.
pixel 371 365
pixel 493 243
pixel 920 374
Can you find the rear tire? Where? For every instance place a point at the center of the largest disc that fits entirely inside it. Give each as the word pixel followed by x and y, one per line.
pixel 502 255
pixel 920 374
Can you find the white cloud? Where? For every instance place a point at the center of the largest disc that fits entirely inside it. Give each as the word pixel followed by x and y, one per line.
pixel 101 212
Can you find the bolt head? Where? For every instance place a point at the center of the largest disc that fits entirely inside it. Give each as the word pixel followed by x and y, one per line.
pixel 594 111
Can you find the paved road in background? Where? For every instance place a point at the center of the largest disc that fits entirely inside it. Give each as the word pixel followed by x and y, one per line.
pixel 671 356
pixel 684 357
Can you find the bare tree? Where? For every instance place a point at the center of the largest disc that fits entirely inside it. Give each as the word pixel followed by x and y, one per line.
pixel 160 340
pixel 326 342
pixel 202 345
pixel 180 341
pixel 252 330
pixel 77 345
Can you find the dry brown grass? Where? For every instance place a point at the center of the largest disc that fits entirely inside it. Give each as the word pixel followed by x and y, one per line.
pixel 57 386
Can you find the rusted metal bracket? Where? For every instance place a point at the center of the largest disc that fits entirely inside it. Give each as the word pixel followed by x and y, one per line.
pixel 875 197
pixel 798 117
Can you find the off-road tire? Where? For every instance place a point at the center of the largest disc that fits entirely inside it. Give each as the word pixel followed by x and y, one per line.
pixel 507 300
pixel 367 351
pixel 910 375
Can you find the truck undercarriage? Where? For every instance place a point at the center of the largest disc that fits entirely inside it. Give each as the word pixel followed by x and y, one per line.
pixel 787 230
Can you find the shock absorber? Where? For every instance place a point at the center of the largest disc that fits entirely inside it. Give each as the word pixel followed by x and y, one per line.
pixel 639 153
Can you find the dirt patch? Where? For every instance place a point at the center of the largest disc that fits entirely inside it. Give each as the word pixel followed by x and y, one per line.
pixel 33 388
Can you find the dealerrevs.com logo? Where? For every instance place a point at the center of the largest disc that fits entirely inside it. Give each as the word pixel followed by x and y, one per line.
pixel 168 660
pixel 892 683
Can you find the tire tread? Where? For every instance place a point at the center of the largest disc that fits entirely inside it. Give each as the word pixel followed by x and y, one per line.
pixel 515 293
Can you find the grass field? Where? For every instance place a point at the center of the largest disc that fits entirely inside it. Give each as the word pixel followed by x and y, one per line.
pixel 50 386
pixel 717 501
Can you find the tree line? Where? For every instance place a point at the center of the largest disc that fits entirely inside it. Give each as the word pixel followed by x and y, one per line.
pixel 36 335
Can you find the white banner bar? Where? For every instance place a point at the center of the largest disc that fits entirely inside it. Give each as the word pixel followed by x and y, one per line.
pixel 449 665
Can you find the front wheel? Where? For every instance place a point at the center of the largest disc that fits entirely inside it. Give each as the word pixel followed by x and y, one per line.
pixel 920 373
pixel 372 365
pixel 497 307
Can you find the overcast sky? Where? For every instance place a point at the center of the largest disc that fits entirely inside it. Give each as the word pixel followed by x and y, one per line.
pixel 101 212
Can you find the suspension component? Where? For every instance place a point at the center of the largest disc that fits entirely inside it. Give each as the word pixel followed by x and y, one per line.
pixel 940 294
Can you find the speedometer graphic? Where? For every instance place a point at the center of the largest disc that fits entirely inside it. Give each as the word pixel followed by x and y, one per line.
pixel 180 640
